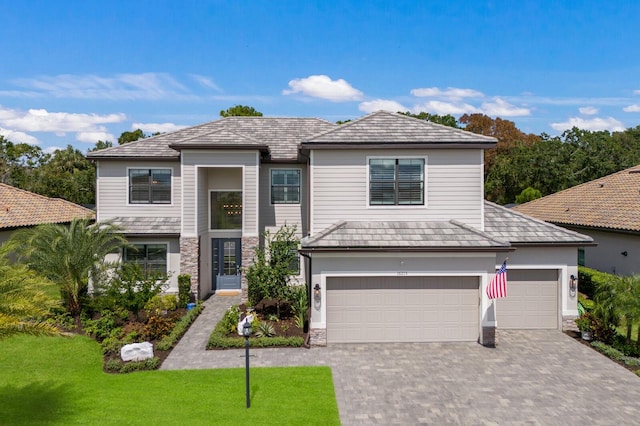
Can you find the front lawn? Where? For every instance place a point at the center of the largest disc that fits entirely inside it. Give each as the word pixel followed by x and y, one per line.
pixel 54 380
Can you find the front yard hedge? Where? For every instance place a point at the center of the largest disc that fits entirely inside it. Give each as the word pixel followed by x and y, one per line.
pixel 589 279
pixel 219 340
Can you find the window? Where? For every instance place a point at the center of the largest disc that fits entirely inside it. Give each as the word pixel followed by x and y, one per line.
pixel 396 181
pixel 151 257
pixel 150 186
pixel 226 210
pixel 580 256
pixel 285 186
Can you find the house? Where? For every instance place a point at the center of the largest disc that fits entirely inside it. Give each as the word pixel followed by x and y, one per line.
pixel 398 243
pixel 22 209
pixel 607 210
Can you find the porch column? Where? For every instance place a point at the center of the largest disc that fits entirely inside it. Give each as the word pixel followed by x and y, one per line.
pixel 249 245
pixel 189 260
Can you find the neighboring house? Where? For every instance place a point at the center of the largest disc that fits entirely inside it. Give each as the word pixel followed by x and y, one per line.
pixel 399 244
pixel 22 209
pixel 606 209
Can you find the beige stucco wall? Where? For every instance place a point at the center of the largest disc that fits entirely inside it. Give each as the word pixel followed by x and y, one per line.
pixel 607 255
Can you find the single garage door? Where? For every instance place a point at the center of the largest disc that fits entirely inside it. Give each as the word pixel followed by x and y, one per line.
pixel 402 309
pixel 531 302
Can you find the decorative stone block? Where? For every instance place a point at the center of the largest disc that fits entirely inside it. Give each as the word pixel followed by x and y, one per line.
pixel 137 351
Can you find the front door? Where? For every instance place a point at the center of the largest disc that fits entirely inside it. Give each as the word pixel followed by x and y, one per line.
pixel 226 261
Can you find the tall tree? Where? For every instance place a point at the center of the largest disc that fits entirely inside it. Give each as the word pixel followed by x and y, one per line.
pixel 446 120
pixel 19 163
pixel 240 110
pixel 69 255
pixel 101 145
pixel 68 175
pixel 126 137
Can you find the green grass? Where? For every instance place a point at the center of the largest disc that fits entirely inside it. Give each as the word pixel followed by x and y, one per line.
pixel 59 381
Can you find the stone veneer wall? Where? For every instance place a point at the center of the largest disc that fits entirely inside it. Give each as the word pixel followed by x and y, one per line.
pixel 569 323
pixel 489 337
pixel 249 245
pixel 189 262
pixel 318 337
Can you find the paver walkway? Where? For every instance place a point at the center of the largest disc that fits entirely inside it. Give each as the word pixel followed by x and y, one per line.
pixel 531 377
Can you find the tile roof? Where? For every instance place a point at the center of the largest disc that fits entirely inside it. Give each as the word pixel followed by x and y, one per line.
pixel 402 235
pixel 281 135
pixel 392 128
pixel 611 202
pixel 505 224
pixel 23 208
pixel 148 225
pixel 504 228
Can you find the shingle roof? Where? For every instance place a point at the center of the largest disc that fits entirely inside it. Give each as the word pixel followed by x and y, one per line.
pixel 402 235
pixel 281 135
pixel 392 128
pixel 23 208
pixel 505 224
pixel 611 202
pixel 148 225
pixel 504 228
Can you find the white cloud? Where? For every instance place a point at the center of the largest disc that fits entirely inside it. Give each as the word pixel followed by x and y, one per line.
pixel 88 127
pixel 157 127
pixel 449 93
pixel 381 104
pixel 589 110
pixel 18 137
pixel 93 137
pixel 53 149
pixel 149 86
pixel 205 82
pixel 444 108
pixel 321 86
pixel 636 92
pixel 501 108
pixel 632 108
pixel 594 124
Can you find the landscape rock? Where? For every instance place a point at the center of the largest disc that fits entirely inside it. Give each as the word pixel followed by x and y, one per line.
pixel 137 351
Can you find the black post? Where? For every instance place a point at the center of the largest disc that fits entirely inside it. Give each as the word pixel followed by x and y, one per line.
pixel 246 346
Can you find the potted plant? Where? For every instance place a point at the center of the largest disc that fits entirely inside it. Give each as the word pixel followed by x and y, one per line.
pixel 584 323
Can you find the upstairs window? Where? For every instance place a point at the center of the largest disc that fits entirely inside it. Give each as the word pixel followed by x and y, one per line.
pixel 152 258
pixel 396 182
pixel 226 209
pixel 285 186
pixel 149 186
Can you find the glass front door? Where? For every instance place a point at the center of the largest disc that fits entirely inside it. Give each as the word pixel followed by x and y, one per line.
pixel 226 261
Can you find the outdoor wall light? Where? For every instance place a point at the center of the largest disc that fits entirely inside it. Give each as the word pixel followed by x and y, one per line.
pixel 624 253
pixel 316 291
pixel 573 285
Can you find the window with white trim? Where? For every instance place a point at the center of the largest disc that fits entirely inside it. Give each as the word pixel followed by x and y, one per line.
pixel 149 186
pixel 152 258
pixel 398 181
pixel 285 186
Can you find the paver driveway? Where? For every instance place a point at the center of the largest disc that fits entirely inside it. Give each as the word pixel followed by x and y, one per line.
pixel 531 377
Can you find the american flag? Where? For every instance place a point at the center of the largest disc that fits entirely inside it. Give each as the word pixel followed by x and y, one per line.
pixel 497 288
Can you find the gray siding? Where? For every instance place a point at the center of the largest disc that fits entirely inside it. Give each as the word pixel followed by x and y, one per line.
pixel 192 211
pixel 276 215
pixel 453 180
pixel 113 189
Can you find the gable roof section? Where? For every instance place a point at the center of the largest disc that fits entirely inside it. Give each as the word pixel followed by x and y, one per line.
pixel 405 236
pixel 23 208
pixel 519 229
pixel 382 128
pixel 611 202
pixel 279 136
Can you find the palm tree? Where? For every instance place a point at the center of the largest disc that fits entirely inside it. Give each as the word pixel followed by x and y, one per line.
pixel 22 302
pixel 70 256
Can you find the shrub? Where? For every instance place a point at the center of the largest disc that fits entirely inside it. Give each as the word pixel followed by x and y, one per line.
pixel 265 329
pixel 106 325
pixel 161 303
pixel 589 279
pixel 111 345
pixel 180 328
pixel 117 366
pixel 220 341
pixel 229 321
pixel 158 327
pixel 184 289
pixel 299 304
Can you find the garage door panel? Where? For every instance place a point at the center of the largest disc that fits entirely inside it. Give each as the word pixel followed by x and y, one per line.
pixel 402 309
pixel 531 302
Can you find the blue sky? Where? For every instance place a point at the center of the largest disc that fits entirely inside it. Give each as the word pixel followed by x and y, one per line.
pixel 74 72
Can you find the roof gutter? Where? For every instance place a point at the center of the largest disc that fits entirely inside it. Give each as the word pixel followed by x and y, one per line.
pixel 404 249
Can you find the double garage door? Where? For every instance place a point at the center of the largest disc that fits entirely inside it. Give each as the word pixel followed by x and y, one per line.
pixel 402 309
pixel 434 309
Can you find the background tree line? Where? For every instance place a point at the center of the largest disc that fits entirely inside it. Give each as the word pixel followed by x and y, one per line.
pixel 522 166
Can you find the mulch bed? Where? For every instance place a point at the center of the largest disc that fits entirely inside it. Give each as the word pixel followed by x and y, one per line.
pixel 576 335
